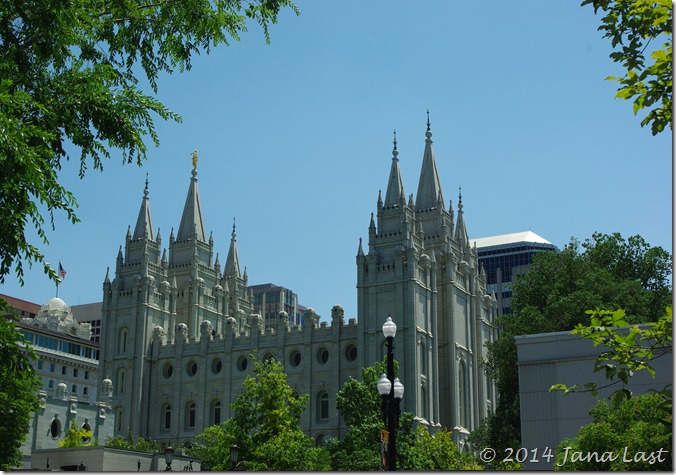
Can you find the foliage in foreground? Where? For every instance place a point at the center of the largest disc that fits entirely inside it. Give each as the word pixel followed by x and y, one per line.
pixel 632 25
pixel 360 405
pixel 630 434
pixel 77 438
pixel 69 85
pixel 265 426
pixel 18 390
pixel 635 430
pixel 606 271
pixel 131 443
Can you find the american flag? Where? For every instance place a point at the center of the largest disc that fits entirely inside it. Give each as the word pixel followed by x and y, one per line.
pixel 62 272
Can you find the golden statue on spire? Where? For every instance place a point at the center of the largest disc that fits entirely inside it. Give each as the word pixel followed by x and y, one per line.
pixel 194 158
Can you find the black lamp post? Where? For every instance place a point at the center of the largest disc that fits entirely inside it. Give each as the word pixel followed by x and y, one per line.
pixel 168 457
pixel 234 457
pixel 391 390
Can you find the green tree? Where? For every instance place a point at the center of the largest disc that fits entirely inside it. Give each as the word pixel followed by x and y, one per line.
pixel 18 391
pixel 631 424
pixel 70 83
pixel 630 431
pixel 606 271
pixel 265 426
pixel 130 443
pixel 360 406
pixel 77 437
pixel 632 25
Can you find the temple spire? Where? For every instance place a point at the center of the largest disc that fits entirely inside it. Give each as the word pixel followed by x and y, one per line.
pixel 191 221
pixel 460 228
pixel 429 186
pixel 395 187
pixel 232 261
pixel 144 224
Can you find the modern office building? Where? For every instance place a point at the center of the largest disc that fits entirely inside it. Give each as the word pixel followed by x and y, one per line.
pixel 180 327
pixel 270 299
pixel 67 363
pixel 505 257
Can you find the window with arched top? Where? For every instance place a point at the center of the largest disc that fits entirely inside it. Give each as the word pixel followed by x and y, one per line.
pixel 121 376
pixel 463 394
pixel 190 414
pixel 119 416
pixel 322 406
pixel 424 403
pixel 166 416
pixel 215 412
pixel 422 357
pixel 122 341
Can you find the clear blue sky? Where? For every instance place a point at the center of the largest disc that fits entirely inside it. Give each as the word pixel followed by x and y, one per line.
pixel 295 140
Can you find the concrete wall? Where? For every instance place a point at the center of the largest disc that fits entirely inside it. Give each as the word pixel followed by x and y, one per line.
pixel 548 418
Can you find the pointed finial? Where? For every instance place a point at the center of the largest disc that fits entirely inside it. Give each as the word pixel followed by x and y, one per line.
pixel 428 120
pixel 145 192
pixel 194 159
pixel 234 234
pixel 460 198
pixel 395 139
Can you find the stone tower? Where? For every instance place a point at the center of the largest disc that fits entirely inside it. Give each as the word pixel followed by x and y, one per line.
pixel 152 296
pixel 420 270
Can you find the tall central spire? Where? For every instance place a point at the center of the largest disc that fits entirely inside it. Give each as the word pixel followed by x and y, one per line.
pixel 191 221
pixel 395 187
pixel 429 186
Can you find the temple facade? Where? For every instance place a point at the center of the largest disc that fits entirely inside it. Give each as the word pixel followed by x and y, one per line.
pixel 180 328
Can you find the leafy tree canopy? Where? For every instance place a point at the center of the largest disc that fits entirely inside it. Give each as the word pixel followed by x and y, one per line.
pixel 18 390
pixel 633 26
pixel 265 426
pixel 630 433
pixel 360 405
pixel 77 437
pixel 606 271
pixel 69 80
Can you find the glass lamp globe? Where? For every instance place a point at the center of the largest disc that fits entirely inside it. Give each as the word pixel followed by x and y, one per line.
pixel 384 385
pixel 389 328
pixel 398 389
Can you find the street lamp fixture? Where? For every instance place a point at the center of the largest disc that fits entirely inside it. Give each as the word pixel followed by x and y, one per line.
pixel 234 456
pixel 168 456
pixel 391 391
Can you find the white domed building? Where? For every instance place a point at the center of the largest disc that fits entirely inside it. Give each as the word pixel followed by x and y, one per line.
pixel 68 363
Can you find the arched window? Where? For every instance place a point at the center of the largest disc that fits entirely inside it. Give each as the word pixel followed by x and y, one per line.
pixel 463 395
pixel 424 403
pixel 322 406
pixel 122 343
pixel 190 415
pixel 422 356
pixel 215 412
pixel 119 416
pixel 166 416
pixel 121 373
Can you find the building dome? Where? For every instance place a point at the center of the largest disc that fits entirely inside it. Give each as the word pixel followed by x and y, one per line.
pixel 56 308
pixel 55 304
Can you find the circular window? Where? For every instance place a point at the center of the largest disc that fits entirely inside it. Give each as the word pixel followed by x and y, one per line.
pixel 216 366
pixel 294 358
pixel 268 357
pixel 242 363
pixel 323 355
pixel 55 429
pixel 192 368
pixel 168 370
pixel 351 352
